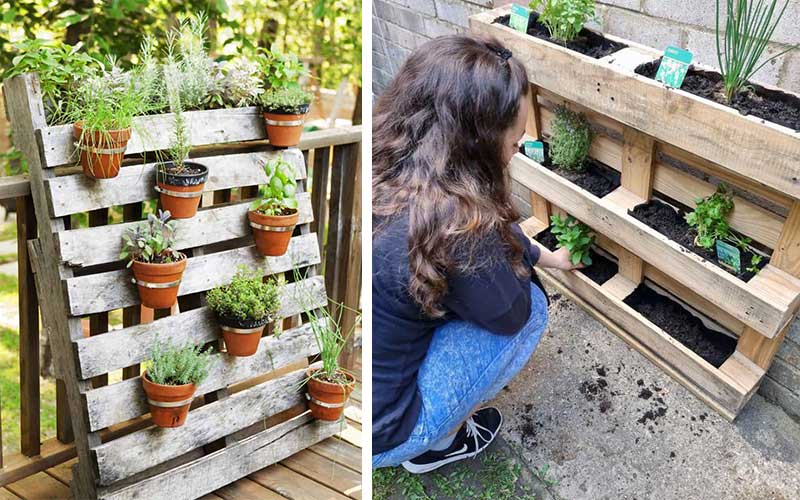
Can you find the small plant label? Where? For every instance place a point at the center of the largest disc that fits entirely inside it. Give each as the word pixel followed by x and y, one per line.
pixel 519 18
pixel 674 67
pixel 534 150
pixel 729 256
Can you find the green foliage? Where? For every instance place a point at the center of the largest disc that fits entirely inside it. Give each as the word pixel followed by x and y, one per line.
pixel 710 216
pixel 247 296
pixel 755 261
pixel 749 26
pixel 181 143
pixel 564 18
pixel 189 64
pixel 571 139
pixel 278 196
pixel 178 365
pixel 151 241
pixel 288 100
pixel 574 236
pixel 280 70
pixel 241 84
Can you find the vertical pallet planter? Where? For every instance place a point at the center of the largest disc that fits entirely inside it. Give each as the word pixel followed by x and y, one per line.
pixel 648 134
pixel 249 412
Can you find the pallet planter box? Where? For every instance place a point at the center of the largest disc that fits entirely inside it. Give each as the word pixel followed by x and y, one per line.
pixel 669 145
pixel 248 412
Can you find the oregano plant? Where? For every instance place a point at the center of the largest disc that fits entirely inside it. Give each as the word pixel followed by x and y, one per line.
pixel 575 236
pixel 710 217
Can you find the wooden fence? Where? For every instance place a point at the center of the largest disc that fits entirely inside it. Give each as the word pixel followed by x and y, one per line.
pixel 333 157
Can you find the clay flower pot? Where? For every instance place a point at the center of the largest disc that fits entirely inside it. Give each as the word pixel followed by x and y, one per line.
pixel 283 129
pixel 181 193
pixel 169 404
pixel 158 283
pixel 101 152
pixel 327 400
pixel 272 232
pixel 242 336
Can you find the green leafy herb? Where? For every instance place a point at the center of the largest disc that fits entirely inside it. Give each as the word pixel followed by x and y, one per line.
pixel 564 18
pixel 575 236
pixel 755 261
pixel 247 296
pixel 289 100
pixel 710 216
pixel 278 196
pixel 748 29
pixel 181 142
pixel 571 139
pixel 173 365
pixel 151 241
pixel 280 70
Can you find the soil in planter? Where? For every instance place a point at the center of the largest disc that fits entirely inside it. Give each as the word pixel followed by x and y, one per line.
pixel 588 42
pixel 161 259
pixel 597 178
pixel 188 169
pixel 683 326
pixel 771 105
pixel 671 223
pixel 601 270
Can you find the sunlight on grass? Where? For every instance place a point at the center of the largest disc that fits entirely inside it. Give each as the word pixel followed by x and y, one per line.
pixel 8 287
pixel 8 231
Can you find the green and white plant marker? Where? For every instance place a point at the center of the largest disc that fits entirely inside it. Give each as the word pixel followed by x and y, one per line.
pixel 519 18
pixel 729 256
pixel 674 66
pixel 534 150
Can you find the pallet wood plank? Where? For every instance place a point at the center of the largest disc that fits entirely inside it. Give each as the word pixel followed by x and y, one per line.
pixel 340 452
pixel 320 469
pixel 76 193
pixel 7 495
pixel 293 485
pixel 113 289
pixel 247 488
pixel 39 486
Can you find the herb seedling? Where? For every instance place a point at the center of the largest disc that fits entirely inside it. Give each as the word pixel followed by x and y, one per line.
pixel 572 137
pixel 564 18
pixel 755 261
pixel 710 216
pixel 277 197
pixel 151 241
pixel 575 236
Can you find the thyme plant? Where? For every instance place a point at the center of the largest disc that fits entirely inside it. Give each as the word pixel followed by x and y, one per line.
pixel 288 100
pixel 571 139
pixel 247 296
pixel 178 365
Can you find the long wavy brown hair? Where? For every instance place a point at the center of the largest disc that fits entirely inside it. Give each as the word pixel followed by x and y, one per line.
pixel 437 153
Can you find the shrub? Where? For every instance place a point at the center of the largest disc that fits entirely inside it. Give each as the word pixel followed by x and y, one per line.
pixel 288 100
pixel 575 236
pixel 571 140
pixel 172 365
pixel 564 18
pixel 246 297
pixel 151 241
pixel 278 196
pixel 710 215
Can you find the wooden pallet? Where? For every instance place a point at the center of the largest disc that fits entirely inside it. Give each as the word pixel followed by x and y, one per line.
pixel 249 412
pixel 643 131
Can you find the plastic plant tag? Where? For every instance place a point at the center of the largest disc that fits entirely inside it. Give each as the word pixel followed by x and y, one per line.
pixel 674 66
pixel 534 150
pixel 729 256
pixel 519 18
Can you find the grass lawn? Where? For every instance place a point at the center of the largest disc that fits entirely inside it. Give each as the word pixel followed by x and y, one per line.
pixel 8 231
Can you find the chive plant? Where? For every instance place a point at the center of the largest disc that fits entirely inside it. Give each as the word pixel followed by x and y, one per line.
pixel 748 29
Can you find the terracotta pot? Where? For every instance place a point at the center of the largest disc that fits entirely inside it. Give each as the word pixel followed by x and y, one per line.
pixel 181 193
pixel 327 400
pixel 272 232
pixel 242 336
pixel 165 402
pixel 158 283
pixel 101 152
pixel 283 129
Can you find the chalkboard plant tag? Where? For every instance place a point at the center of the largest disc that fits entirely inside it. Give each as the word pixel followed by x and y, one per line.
pixel 674 66
pixel 519 18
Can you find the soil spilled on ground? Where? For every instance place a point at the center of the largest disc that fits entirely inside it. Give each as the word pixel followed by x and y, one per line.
pixel 601 270
pixel 774 106
pixel 588 42
pixel 671 223
pixel 712 346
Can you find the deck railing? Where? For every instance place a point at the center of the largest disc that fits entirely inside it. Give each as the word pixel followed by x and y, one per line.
pixel 334 160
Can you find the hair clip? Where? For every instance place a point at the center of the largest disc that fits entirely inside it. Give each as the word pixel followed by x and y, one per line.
pixel 504 53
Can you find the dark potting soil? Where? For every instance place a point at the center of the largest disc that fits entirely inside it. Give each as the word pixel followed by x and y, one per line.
pixel 771 105
pixel 588 42
pixel 601 270
pixel 188 169
pixel 671 223
pixel 597 178
pixel 680 324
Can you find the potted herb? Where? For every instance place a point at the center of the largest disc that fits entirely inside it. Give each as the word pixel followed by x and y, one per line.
pixel 157 267
pixel 170 380
pixel 575 237
pixel 571 140
pixel 243 307
pixel 179 182
pixel 275 214
pixel 564 19
pixel 284 112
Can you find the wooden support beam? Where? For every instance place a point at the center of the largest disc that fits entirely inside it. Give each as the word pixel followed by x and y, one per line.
pixel 131 315
pixel 540 207
pixel 319 193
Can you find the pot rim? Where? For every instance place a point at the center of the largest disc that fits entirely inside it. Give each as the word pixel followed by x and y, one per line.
pixel 295 212
pixel 276 111
pixel 311 371
pixel 79 126
pixel 181 386
pixel 161 169
pixel 237 323
pixel 155 265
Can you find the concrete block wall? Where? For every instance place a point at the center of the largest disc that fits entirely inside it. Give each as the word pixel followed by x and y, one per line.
pixel 400 26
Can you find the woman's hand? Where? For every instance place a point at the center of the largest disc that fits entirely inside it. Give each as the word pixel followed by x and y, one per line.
pixel 557 260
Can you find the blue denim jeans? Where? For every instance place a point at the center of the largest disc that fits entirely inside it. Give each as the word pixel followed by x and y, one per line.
pixel 465 367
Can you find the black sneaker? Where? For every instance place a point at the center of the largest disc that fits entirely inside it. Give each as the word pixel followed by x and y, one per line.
pixel 474 436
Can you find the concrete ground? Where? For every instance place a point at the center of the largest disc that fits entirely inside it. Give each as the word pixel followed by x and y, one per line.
pixel 610 425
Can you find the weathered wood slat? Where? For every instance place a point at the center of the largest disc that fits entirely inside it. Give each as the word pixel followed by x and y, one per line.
pixel 220 468
pixel 99 245
pixel 14 186
pixel 114 290
pixel 130 346
pixel 76 193
pixel 153 446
